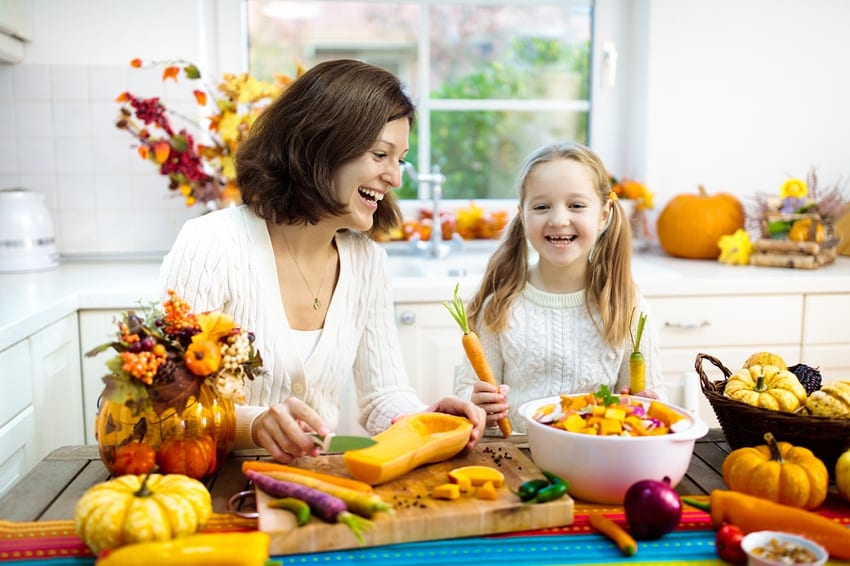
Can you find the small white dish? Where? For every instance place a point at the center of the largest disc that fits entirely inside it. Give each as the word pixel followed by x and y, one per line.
pixel 765 540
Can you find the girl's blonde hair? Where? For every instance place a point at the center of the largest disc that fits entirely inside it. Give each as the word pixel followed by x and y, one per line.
pixel 610 289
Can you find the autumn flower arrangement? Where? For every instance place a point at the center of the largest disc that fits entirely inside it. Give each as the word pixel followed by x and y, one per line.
pixel 199 160
pixel 165 355
pixel 632 190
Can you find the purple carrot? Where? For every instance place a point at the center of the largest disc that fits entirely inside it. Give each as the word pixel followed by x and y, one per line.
pixel 327 507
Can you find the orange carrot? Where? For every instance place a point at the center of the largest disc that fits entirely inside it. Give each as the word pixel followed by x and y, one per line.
pixel 615 532
pixel 474 351
pixel 266 466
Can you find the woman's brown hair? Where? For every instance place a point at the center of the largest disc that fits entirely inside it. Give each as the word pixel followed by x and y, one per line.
pixel 332 113
pixel 610 289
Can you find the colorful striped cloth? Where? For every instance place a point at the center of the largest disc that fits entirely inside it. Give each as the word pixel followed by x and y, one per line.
pixel 53 543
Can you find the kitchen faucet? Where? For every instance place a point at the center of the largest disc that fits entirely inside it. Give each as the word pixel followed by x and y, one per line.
pixel 434 180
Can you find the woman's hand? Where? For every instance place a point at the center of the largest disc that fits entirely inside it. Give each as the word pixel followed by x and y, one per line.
pixel 452 405
pixel 494 400
pixel 282 430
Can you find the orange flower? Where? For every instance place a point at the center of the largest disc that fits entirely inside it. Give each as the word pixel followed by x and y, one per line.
pixel 170 72
pixel 136 63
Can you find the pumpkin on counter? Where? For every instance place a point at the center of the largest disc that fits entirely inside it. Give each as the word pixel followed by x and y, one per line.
pixel 413 440
pixel 778 471
pixel 767 387
pixel 141 508
pixel 690 225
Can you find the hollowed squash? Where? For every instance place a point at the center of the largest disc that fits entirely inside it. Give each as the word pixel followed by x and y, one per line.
pixel 413 440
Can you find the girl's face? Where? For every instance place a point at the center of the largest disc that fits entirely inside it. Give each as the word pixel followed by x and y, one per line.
pixel 562 212
pixel 363 181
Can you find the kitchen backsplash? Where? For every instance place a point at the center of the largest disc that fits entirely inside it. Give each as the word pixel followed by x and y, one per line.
pixel 58 137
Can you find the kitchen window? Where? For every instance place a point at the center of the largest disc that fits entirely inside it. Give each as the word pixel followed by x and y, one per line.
pixel 492 80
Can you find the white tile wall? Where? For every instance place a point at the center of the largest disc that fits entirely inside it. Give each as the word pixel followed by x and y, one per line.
pixel 58 137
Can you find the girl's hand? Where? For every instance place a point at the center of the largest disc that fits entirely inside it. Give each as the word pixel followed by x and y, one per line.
pixel 645 393
pixel 494 400
pixel 452 405
pixel 282 429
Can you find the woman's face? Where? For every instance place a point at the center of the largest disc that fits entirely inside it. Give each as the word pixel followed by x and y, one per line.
pixel 562 212
pixel 363 181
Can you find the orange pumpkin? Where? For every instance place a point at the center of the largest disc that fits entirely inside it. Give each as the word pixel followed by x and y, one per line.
pixel 134 458
pixel 203 357
pixel 690 225
pixel 193 457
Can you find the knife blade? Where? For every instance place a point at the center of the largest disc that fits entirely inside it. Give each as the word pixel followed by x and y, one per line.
pixel 341 443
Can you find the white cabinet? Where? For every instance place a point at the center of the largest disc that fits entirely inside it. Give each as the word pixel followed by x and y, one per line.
pixel 41 405
pixel 826 335
pixel 18 452
pixel 57 389
pixel 431 345
pixel 728 327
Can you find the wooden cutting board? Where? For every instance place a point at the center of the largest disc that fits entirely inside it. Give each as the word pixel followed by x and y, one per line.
pixel 417 516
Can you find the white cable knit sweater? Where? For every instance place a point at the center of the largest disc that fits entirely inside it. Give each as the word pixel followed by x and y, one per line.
pixel 551 346
pixel 224 261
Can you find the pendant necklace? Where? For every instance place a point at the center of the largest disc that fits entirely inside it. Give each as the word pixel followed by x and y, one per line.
pixel 317 304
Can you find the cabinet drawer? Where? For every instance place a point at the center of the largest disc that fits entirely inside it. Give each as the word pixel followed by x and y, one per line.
pixel 16 449
pixel 728 321
pixel 15 381
pixel 823 325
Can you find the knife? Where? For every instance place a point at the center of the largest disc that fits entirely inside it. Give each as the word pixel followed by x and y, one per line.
pixel 340 443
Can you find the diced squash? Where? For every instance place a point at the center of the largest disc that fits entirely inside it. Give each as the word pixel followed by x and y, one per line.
pixel 486 491
pixel 663 413
pixel 463 482
pixel 615 413
pixel 610 426
pixel 598 411
pixel 478 475
pixel 573 422
pixel 446 491
pixel 413 440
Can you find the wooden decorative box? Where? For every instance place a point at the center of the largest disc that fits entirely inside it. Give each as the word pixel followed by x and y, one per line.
pixel 776 249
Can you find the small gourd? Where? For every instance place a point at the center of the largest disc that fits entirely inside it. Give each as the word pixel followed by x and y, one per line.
pixel 778 471
pixel 842 475
pixel 194 457
pixel 767 387
pixel 831 400
pixel 413 440
pixel 141 508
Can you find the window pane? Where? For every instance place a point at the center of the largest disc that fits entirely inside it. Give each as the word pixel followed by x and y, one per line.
pixel 492 79
pixel 480 152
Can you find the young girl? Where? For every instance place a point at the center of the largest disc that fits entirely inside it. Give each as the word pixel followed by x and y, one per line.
pixel 562 324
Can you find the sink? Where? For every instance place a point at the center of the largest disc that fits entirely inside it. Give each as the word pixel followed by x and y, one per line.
pixel 462 265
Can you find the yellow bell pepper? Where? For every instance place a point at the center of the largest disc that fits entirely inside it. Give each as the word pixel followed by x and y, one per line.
pixel 209 549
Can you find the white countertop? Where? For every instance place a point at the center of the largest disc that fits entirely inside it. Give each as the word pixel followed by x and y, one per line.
pixel 30 302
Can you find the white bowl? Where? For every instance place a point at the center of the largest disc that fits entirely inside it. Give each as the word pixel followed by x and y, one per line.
pixel 762 538
pixel 600 469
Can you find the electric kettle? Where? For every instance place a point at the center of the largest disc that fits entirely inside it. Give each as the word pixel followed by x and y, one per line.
pixel 27 238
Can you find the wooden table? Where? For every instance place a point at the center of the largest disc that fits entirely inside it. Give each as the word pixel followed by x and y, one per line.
pixel 52 488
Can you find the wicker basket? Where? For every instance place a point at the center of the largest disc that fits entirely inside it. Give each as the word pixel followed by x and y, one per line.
pixel 745 425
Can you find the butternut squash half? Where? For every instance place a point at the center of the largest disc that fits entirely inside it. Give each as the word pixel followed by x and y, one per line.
pixel 413 440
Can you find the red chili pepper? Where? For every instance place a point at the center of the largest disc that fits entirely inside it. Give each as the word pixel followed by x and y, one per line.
pixel 728 544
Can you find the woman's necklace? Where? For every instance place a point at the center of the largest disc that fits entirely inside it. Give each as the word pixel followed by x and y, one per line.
pixel 317 304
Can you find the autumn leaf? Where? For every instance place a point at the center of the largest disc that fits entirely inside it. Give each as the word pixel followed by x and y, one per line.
pixel 123 97
pixel 144 151
pixel 192 72
pixel 214 325
pixel 200 97
pixel 136 63
pixel 170 72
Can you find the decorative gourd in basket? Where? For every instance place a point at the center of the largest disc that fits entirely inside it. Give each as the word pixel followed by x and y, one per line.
pixel 790 404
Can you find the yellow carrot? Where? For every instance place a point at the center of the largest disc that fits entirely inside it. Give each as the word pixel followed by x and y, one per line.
pixel 362 503
pixel 474 351
pixel 264 466
pixel 637 363
pixel 615 532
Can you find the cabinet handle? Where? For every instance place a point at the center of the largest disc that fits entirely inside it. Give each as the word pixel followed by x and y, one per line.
pixel 407 318
pixel 687 325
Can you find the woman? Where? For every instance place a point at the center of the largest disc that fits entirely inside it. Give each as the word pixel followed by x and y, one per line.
pixel 295 264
